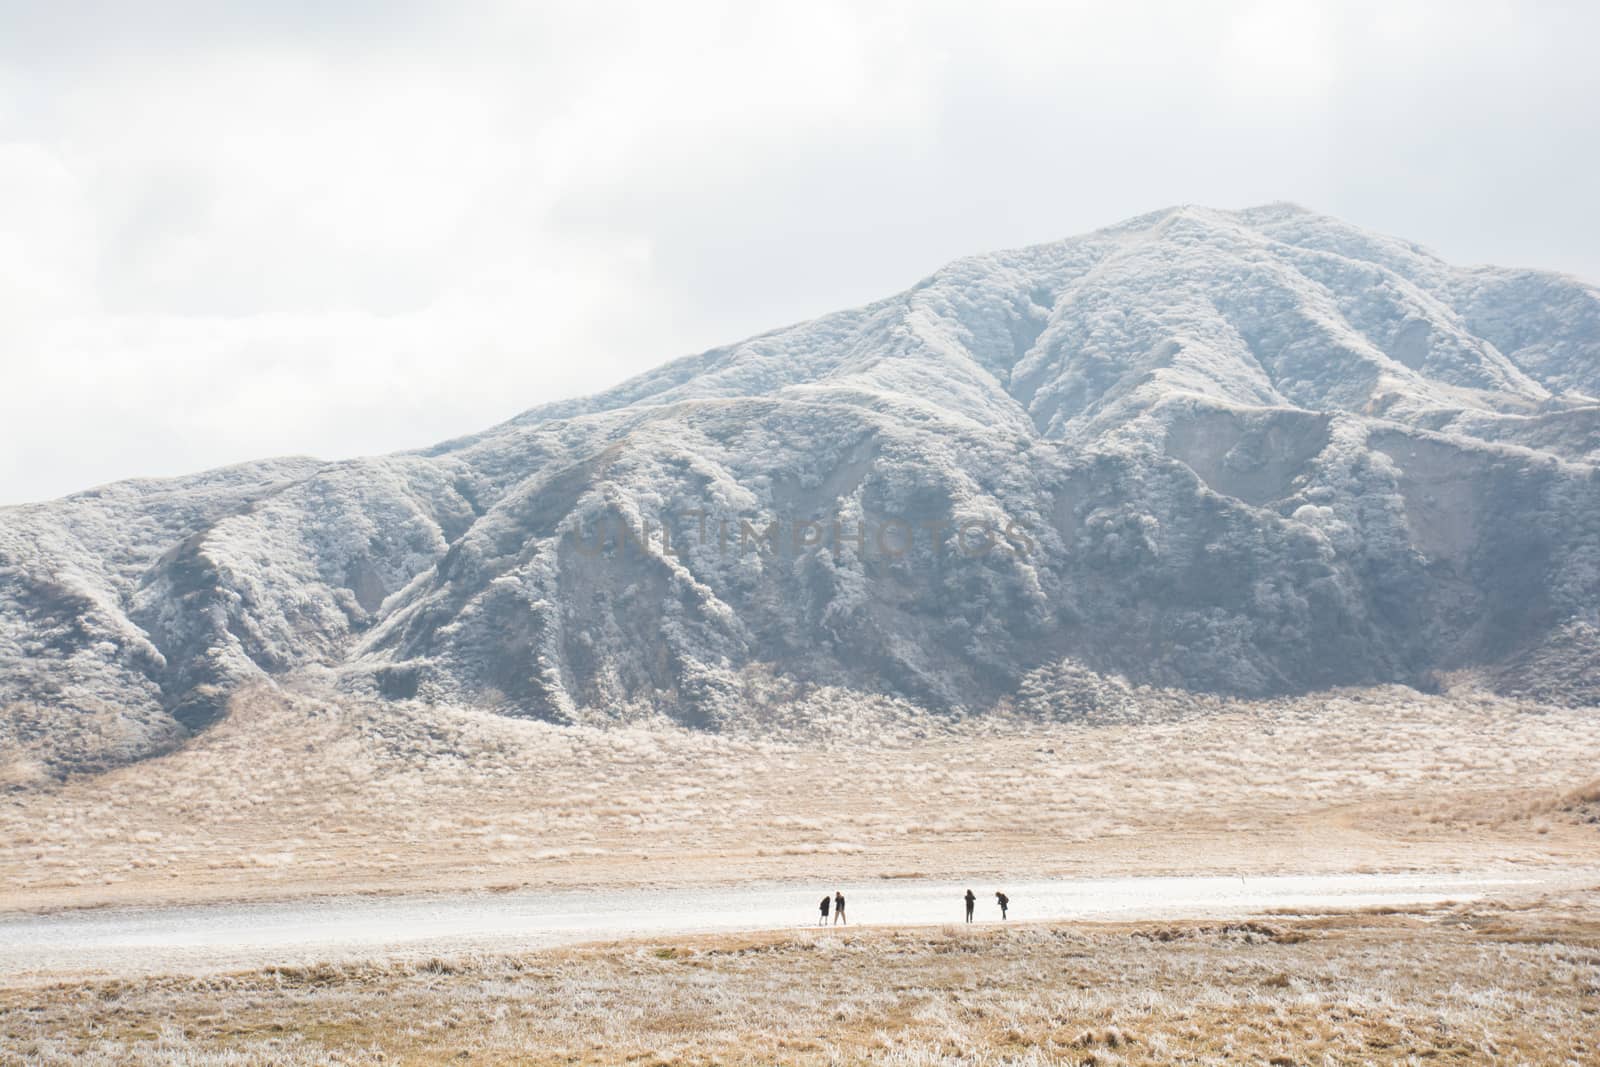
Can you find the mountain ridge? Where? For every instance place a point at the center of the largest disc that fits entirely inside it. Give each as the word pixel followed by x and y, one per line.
pixel 1257 451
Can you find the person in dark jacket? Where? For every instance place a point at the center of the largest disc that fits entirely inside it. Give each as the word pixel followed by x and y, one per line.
pixel 1004 902
pixel 823 907
pixel 972 902
pixel 838 907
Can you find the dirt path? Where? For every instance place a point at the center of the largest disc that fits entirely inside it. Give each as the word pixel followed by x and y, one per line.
pixel 202 938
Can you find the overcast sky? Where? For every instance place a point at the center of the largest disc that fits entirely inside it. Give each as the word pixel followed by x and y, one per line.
pixel 230 231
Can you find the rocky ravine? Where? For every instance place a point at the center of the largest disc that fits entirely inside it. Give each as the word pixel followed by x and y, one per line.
pixel 1244 452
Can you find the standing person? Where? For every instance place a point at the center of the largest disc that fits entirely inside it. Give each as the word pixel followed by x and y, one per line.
pixel 1004 902
pixel 838 908
pixel 823 907
pixel 972 902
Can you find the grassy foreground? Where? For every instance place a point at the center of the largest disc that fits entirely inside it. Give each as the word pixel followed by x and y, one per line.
pixel 1454 984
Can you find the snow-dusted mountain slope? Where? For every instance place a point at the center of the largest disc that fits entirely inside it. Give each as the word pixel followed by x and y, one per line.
pixel 1243 451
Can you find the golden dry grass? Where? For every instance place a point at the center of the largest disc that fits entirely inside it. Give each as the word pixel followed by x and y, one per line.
pixel 301 794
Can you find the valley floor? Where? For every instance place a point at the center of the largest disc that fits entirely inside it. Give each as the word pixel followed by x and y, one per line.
pixel 1450 984
pixel 299 798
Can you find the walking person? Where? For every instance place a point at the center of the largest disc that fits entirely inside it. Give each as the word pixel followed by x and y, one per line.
pixel 838 908
pixel 823 907
pixel 1004 902
pixel 972 902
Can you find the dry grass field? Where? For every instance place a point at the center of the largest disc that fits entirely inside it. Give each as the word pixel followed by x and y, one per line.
pixel 296 794
pixel 1450 985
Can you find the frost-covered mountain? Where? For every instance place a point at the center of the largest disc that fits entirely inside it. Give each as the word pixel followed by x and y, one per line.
pixel 1244 452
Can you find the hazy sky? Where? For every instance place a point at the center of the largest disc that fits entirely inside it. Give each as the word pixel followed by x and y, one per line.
pixel 229 231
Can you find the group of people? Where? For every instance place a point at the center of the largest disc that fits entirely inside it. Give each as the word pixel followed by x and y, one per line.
pixel 999 898
pixel 836 903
